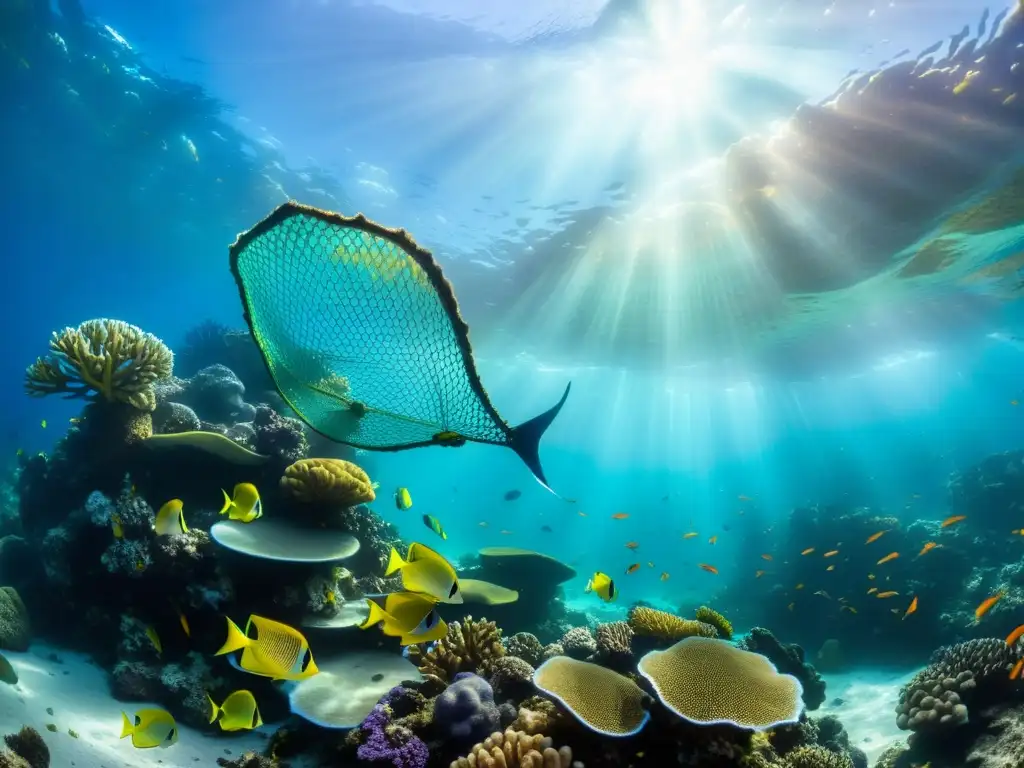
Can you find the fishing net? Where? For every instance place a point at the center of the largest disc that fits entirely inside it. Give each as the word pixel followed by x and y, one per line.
pixel 360 331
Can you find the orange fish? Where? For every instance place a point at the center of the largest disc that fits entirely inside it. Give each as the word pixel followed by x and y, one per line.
pixel 986 605
pixel 766 557
pixel 631 545
pixel 928 547
pixel 800 585
pixel 759 574
pixel 620 516
pixel 912 608
pixel 887 558
pixel 831 568
pixel 849 608
pixel 831 553
pixel 872 590
pixel 708 568
pixel 952 520
pixel 1016 635
pixel 871 577
pixel 689 535
pixel 633 568
pixel 712 540
pixel 807 551
pixel 664 576
pixel 890 593
pixel 1015 672
pixel 790 606
pixel 875 536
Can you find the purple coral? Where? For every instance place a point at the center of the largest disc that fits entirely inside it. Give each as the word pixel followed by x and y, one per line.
pixel 278 435
pixel 386 742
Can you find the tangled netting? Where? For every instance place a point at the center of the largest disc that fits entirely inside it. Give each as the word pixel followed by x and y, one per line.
pixel 360 330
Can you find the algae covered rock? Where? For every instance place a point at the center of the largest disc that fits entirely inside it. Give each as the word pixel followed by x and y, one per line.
pixel 15 630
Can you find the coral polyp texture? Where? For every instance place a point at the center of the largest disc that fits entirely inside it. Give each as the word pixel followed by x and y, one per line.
pixel 650 622
pixel 514 749
pixel 713 618
pixel 709 681
pixel 104 359
pixel 604 701
pixel 328 481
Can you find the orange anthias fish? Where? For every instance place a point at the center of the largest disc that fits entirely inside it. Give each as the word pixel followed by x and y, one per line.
pixel 872 590
pixel 759 574
pixel 887 558
pixel 689 535
pixel 664 576
pixel 633 568
pixel 952 520
pixel 986 605
pixel 831 553
pixel 911 608
pixel 1015 672
pixel 631 545
pixel 890 593
pixel 928 547
pixel 712 540
pixel 1016 635
pixel 875 536
pixel 830 568
pixel 708 568
pixel 620 516
pixel 807 551
pixel 799 586
pixel 766 557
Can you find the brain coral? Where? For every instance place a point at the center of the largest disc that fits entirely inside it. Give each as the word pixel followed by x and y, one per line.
pixel 666 626
pixel 107 358
pixel 513 749
pixel 327 480
pixel 601 699
pixel 708 681
pixel 936 696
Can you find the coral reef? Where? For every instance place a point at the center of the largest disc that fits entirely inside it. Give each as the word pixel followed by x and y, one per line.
pixel 514 749
pixel 666 627
pixel 15 628
pixel 579 643
pixel 789 660
pixel 713 618
pixel 526 646
pixel 511 677
pixel 28 745
pixel 1002 744
pixel 469 646
pixel 385 742
pixel 465 711
pixel 604 701
pixel 279 436
pixel 614 644
pixel 814 756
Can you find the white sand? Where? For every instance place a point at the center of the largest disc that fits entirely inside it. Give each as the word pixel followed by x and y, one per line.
pixel 77 692
pixel 868 713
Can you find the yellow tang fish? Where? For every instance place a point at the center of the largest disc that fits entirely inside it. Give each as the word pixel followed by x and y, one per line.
pixel 150 728
pixel 245 506
pixel 278 651
pixel 154 638
pixel 409 616
pixel 115 525
pixel 403 499
pixel 170 520
pixel 603 586
pixel 435 525
pixel 238 712
pixel 426 572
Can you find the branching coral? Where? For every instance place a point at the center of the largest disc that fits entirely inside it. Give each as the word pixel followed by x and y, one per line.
pixel 469 646
pixel 665 626
pixel 710 616
pixel 327 481
pixel 514 749
pixel 107 359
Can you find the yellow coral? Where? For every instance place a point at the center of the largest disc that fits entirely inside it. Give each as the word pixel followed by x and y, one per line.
pixel 601 699
pixel 709 681
pixel 102 358
pixel 469 646
pixel 328 480
pixel 667 626
pixel 721 624
pixel 513 749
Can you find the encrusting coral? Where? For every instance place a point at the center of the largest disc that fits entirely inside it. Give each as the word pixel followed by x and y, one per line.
pixel 469 646
pixel 650 622
pixel 108 359
pixel 327 481
pixel 708 681
pixel 514 749
pixel 604 701
pixel 712 617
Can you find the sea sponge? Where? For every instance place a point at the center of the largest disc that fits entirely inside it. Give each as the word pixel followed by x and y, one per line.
pixel 328 480
pixel 514 749
pixel 603 700
pixel 103 358
pixel 651 622
pixel 15 630
pixel 816 757
pixel 709 681
pixel 937 696
pixel 469 646
pixel 710 616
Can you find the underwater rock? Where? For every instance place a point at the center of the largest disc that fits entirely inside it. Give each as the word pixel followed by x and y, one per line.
pixel 788 659
pixel 29 746
pixel 279 436
pixel 465 711
pixel 217 395
pixel 15 628
pixel 1002 743
pixel 171 417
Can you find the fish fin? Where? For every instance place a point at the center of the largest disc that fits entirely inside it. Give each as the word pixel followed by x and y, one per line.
pixel 377 615
pixel 181 522
pixel 236 639
pixel 126 726
pixel 395 563
pixel 214 709
pixel 525 440
pixel 227 502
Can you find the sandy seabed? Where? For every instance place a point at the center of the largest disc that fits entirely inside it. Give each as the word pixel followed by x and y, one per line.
pixel 77 692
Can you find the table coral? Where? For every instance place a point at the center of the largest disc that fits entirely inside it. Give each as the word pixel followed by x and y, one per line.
pixel 513 749
pixel 650 622
pixel 103 358
pixel 606 702
pixel 469 646
pixel 328 481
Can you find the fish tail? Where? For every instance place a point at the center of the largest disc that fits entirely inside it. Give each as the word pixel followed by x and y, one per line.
pixel 227 502
pixel 214 709
pixel 236 639
pixel 181 522
pixel 395 563
pixel 525 439
pixel 377 615
pixel 126 726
